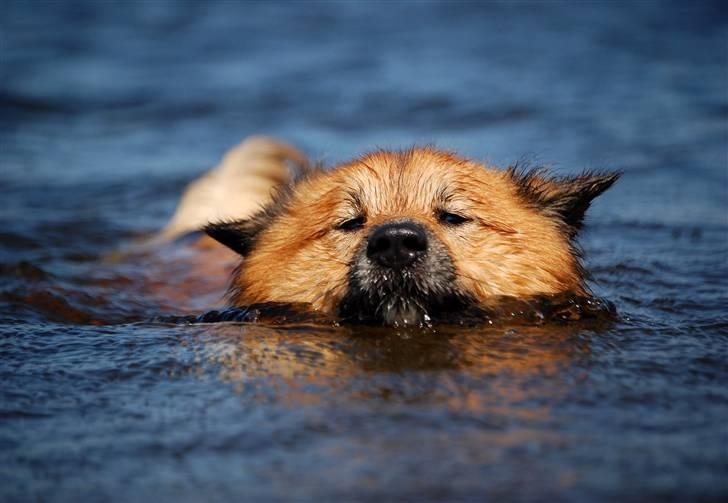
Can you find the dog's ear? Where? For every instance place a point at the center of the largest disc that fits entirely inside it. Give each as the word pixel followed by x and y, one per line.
pixel 566 198
pixel 238 235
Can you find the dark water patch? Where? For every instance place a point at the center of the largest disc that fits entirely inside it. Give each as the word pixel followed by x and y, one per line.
pixel 24 270
pixel 11 104
pixel 51 306
pixel 17 241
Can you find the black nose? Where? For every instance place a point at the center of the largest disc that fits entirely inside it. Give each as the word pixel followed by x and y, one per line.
pixel 397 245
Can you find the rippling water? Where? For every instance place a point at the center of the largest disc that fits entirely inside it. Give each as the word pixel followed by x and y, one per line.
pixel 108 109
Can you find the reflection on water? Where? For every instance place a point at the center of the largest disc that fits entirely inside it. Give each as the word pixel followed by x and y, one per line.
pixel 116 388
pixel 315 358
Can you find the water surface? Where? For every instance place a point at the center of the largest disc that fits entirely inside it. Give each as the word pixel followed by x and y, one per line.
pixel 108 110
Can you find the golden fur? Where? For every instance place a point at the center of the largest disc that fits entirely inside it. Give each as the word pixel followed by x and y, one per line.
pixel 517 240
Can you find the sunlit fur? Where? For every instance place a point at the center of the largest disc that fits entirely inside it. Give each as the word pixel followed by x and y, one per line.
pixel 517 243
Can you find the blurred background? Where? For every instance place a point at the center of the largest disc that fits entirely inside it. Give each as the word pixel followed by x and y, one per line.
pixel 107 110
pixel 113 92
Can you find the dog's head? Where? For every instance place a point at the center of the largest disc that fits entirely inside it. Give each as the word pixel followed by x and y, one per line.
pixel 399 237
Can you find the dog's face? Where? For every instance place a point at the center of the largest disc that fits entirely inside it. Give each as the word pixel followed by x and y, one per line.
pixel 399 237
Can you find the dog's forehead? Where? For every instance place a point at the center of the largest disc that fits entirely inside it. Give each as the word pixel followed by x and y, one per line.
pixel 400 181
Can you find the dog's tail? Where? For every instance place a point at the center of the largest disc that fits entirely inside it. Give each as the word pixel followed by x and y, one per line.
pixel 237 187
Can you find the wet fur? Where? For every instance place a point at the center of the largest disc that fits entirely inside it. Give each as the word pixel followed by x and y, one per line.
pixel 519 241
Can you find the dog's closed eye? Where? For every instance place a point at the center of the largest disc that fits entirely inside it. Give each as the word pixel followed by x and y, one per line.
pixel 352 224
pixel 448 218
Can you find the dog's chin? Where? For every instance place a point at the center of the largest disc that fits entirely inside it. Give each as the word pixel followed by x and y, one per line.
pixel 399 302
pixel 403 312
pixel 399 310
pixel 392 310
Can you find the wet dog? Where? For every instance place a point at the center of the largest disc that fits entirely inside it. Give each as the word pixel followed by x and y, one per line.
pixel 397 237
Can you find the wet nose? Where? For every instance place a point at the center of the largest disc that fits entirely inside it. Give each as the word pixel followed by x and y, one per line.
pixel 397 245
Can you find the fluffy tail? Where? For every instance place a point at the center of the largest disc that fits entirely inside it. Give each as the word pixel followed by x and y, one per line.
pixel 237 187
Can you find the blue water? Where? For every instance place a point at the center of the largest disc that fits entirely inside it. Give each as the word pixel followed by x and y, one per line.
pixel 108 109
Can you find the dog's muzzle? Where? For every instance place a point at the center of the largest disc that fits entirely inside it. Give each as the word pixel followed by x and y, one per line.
pixel 401 275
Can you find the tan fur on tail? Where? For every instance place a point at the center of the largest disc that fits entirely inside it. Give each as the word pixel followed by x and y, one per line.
pixel 237 187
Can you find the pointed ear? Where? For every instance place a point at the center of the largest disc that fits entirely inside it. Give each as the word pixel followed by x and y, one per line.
pixel 565 198
pixel 239 235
